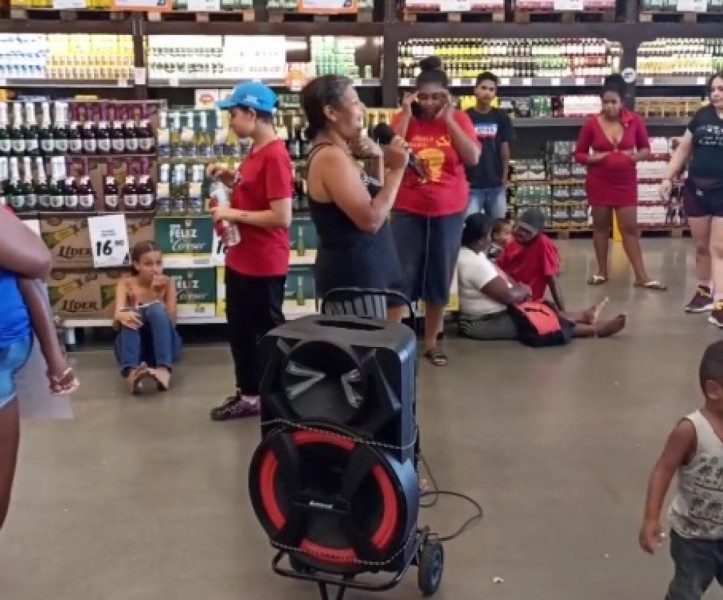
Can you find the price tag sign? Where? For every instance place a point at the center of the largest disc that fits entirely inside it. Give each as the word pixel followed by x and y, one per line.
pixel 219 250
pixel 527 81
pixel 142 5
pixel 139 75
pixel 456 82
pixel 321 7
pixel 455 5
pixel 505 81
pixel 647 81
pixel 69 4
pixel 692 5
pixel 568 5
pixel 204 5
pixel 173 82
pixel 555 81
pixel 108 240
pixel 33 225
pixel 700 81
pixel 579 81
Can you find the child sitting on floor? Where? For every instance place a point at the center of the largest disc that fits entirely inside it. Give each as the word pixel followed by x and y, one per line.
pixel 531 258
pixel 501 237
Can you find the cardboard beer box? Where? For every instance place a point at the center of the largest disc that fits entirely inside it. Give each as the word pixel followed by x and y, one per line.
pixel 186 242
pixel 108 280
pixel 196 292
pixel 300 292
pixel 68 240
pixel 140 229
pixel 75 294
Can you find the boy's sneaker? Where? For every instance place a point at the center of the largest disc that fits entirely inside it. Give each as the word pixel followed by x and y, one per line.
pixel 236 407
pixel 716 317
pixel 702 301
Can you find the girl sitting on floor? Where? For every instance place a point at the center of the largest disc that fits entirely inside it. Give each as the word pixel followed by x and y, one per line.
pixel 488 297
pixel 148 344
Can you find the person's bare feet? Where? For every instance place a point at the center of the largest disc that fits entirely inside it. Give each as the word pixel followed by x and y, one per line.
pixel 162 376
pixel 135 378
pixel 612 326
pixel 592 314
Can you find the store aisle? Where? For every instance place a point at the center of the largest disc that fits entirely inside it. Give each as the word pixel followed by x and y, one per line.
pixel 146 499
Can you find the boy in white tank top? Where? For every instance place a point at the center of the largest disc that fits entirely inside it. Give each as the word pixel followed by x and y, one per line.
pixel 695 452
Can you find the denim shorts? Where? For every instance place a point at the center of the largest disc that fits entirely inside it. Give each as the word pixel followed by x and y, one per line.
pixel 12 359
pixel 427 248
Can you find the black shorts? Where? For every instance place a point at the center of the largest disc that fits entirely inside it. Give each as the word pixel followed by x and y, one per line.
pixel 706 202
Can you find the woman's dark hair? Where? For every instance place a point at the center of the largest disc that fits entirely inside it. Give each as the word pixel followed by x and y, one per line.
pixel 139 249
pixel 319 93
pixel 476 227
pixel 614 83
pixel 712 78
pixel 432 72
pixel 487 76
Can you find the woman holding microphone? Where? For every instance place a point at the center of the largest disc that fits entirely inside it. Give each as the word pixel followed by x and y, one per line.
pixel 430 208
pixel 256 266
pixel 349 207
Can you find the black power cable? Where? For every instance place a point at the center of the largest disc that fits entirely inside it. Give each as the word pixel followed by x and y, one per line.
pixel 435 493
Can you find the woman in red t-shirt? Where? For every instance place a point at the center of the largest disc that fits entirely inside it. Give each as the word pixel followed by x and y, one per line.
pixel 429 212
pixel 610 144
pixel 256 267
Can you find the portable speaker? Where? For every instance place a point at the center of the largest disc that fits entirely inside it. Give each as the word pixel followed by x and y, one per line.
pixel 334 480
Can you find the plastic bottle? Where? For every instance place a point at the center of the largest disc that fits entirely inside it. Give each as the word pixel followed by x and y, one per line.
pixel 231 233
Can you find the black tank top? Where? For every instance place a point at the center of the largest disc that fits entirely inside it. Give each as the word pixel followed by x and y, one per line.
pixel 348 256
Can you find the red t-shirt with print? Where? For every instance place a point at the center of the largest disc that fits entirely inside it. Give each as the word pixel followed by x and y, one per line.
pixel 444 191
pixel 265 175
pixel 532 264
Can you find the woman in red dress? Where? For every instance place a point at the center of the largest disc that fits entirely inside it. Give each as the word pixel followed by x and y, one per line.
pixel 610 144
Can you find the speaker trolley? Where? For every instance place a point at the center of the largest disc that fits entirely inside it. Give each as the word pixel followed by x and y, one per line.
pixel 427 555
pixel 339 497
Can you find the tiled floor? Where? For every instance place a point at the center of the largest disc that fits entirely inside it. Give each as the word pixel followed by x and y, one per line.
pixel 146 499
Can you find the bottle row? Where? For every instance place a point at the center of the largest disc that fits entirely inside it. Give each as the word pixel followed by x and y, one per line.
pixel 34 191
pixel 66 133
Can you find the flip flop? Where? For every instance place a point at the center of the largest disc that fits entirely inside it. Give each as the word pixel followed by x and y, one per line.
pixel 652 285
pixel 436 357
pixel 597 280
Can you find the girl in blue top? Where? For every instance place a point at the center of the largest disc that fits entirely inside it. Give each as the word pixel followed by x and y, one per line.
pixel 23 311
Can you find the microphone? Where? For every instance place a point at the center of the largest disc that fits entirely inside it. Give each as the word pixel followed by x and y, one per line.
pixel 383 134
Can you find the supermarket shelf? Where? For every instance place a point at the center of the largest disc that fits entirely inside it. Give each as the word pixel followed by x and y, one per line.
pixel 524 82
pixel 578 121
pixel 92 323
pixel 684 81
pixel 67 27
pixel 259 28
pixel 66 83
pixel 213 82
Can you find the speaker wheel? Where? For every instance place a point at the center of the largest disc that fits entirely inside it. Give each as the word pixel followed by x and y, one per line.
pixel 300 567
pixel 430 568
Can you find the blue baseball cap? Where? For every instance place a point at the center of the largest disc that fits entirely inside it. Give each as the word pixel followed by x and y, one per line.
pixel 252 94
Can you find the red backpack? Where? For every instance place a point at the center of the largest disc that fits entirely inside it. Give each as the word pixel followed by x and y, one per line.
pixel 539 324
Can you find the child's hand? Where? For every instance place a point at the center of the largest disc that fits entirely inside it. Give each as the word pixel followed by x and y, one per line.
pixel 159 283
pixel 130 319
pixel 650 536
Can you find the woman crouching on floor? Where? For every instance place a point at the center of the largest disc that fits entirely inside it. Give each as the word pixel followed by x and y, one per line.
pixel 494 307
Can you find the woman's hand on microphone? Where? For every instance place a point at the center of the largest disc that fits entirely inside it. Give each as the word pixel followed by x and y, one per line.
pixel 396 155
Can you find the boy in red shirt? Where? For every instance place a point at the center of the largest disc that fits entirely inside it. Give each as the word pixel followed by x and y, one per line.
pixel 532 258
pixel 256 266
